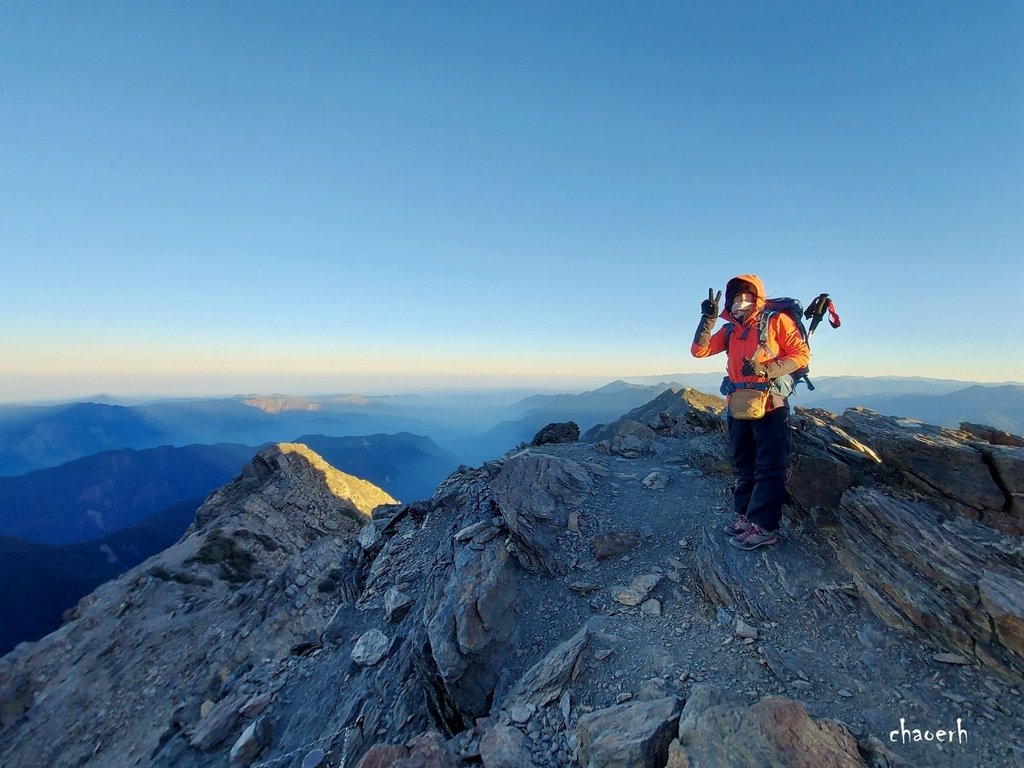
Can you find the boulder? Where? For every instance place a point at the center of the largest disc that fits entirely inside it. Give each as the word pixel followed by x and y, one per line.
pixel 383 756
pixel 255 705
pixel 632 735
pixel 942 464
pixel 1007 467
pixel 991 435
pixel 566 432
pixel 470 616
pixel 369 536
pixel 371 647
pixel 467 533
pixel 213 729
pixel 656 481
pixel 427 750
pixel 775 731
pixel 535 493
pixel 711 453
pixel 628 446
pixel 637 591
pixel 823 461
pixel 503 746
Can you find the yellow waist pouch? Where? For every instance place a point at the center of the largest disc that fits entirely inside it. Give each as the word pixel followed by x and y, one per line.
pixel 748 404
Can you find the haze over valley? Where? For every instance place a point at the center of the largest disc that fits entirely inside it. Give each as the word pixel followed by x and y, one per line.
pixel 89 489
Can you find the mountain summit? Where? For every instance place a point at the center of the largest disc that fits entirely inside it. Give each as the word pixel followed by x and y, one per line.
pixel 256 575
pixel 568 604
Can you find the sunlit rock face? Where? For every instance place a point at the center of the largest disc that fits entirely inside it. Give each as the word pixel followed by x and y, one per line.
pixel 205 621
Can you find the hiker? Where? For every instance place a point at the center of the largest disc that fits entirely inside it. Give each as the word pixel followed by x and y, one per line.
pixel 757 386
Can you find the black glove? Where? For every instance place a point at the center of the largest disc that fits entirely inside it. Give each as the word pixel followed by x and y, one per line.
pixel 710 307
pixel 750 368
pixel 769 370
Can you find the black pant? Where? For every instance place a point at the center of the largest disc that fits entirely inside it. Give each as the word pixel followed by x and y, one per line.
pixel 760 457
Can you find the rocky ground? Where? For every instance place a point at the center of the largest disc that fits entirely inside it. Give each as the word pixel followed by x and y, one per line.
pixel 566 604
pixel 815 640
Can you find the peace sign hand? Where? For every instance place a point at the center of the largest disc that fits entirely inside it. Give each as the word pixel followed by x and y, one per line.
pixel 710 307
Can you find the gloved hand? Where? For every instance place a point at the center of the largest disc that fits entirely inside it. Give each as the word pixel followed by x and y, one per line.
pixel 709 308
pixel 751 368
pixel 770 370
pixel 708 316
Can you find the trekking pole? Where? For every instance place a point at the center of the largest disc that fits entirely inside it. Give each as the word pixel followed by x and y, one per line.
pixel 816 313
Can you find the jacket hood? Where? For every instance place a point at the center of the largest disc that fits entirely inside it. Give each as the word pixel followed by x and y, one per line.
pixel 732 288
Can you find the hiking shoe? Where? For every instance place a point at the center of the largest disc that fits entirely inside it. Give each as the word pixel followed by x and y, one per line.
pixel 737 527
pixel 755 536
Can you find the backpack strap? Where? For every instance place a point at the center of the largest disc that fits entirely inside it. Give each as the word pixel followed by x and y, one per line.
pixel 762 329
pixel 762 325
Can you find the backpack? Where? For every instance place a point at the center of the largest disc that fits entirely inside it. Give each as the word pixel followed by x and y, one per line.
pixel 784 385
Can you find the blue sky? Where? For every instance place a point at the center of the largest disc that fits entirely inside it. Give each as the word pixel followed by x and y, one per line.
pixel 228 196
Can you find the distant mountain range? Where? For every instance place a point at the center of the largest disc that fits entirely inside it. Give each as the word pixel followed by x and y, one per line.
pixel 91 497
pixel 33 437
pixel 94 496
pixel 36 437
pixel 38 582
pixel 473 426
pixel 1001 407
pixel 585 408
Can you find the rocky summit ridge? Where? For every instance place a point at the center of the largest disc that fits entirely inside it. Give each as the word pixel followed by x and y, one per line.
pixel 569 603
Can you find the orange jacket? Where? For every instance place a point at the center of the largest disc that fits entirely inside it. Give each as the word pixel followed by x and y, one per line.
pixel 784 342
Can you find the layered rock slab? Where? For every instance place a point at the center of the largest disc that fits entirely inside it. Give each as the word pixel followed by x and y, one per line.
pixel 973 478
pixel 535 493
pixel 957 582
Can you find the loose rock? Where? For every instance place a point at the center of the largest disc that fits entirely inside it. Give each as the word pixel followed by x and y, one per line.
pixel 369 536
pixel 656 481
pixel 615 544
pixel 503 746
pixel 396 604
pixel 745 630
pixel 251 742
pixel 651 607
pixel 635 734
pixel 371 648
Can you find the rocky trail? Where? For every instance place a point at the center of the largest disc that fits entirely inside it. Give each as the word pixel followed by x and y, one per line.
pixel 803 632
pixel 567 604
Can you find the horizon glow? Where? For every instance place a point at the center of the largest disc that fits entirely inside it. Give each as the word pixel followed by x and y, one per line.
pixel 218 197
